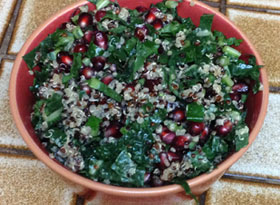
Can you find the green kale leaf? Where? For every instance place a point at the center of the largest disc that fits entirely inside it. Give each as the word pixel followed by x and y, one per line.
pixel 206 21
pixel 94 123
pixel 241 136
pixel 214 147
pixel 195 112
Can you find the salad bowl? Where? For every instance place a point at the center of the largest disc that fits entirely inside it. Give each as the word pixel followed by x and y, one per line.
pixel 22 100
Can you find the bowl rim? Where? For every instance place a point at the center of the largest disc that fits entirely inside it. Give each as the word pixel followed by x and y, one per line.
pixel 117 190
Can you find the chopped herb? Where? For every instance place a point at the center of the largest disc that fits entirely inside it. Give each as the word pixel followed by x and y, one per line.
pixel 195 112
pixel 98 85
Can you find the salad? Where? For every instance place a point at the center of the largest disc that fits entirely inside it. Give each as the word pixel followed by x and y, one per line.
pixel 140 98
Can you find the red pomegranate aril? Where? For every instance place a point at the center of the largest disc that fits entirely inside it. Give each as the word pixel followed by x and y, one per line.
pixel 101 40
pixel 88 36
pixel 86 88
pixel 131 86
pixel 204 134
pixel 99 15
pixel 107 80
pixel 164 161
pixel 113 130
pixel 181 140
pixel 157 24
pixel 167 136
pixel 235 96
pixel 179 115
pixel 197 43
pixel 240 88
pixel 151 83
pixel 87 72
pixel 225 129
pixel 173 156
pixel 65 58
pixel 141 32
pixel 98 63
pixel 80 48
pixel 160 49
pixel 196 128
pixel 85 20
pixel 141 9
pixel 151 17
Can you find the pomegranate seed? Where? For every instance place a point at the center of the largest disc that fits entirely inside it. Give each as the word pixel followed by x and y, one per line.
pixel 179 115
pixel 87 72
pixel 157 24
pixel 204 134
pixel 147 177
pixel 130 85
pixel 85 20
pixel 141 32
pixel 151 83
pixel 173 156
pixel 80 48
pixel 88 36
pixel 99 15
pixel 225 129
pixel 65 58
pixel 196 128
pixel 181 140
pixel 86 88
pixel 197 43
pixel 101 40
pixel 141 9
pixel 151 17
pixel 160 49
pixel 167 136
pixel 164 161
pixel 68 60
pixel 107 80
pixel 98 63
pixel 113 130
pixel 240 88
pixel 235 96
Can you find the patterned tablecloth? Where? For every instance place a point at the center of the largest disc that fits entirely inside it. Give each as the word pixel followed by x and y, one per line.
pixel 254 179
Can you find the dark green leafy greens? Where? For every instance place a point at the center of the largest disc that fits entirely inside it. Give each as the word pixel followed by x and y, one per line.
pixel 195 112
pixel 127 166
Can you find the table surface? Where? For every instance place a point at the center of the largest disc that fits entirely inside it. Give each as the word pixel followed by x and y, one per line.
pixel 254 179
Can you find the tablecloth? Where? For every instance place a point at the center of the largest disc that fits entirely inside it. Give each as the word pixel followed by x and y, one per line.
pixel 254 179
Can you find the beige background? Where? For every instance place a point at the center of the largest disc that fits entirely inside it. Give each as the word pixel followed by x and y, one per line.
pixel 25 180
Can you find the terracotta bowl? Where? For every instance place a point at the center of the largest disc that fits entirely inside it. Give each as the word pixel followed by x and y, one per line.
pixel 21 101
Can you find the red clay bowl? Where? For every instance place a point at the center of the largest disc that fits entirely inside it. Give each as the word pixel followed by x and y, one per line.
pixel 21 101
